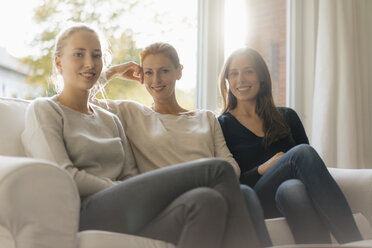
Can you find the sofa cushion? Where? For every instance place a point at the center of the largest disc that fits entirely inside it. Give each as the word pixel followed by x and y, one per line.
pixel 281 234
pixel 12 112
pixel 98 239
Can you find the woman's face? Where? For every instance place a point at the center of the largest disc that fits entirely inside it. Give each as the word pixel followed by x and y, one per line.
pixel 160 76
pixel 243 78
pixel 80 62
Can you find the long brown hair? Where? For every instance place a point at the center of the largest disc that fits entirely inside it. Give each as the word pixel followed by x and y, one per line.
pixel 274 126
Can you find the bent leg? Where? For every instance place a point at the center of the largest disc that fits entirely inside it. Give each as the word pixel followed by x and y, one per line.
pixel 303 162
pixel 196 219
pixel 295 204
pixel 131 205
pixel 255 211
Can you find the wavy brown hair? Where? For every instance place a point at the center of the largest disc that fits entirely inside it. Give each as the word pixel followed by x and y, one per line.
pixel 274 125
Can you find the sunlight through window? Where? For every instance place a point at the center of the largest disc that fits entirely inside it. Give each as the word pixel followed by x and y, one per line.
pixel 235 25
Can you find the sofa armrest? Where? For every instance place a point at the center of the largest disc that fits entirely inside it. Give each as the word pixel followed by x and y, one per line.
pixel 39 204
pixel 356 184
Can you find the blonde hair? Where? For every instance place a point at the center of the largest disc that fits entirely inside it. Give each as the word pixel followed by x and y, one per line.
pixel 60 43
pixel 161 48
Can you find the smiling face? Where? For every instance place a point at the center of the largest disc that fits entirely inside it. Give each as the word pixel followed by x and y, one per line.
pixel 80 61
pixel 243 79
pixel 160 76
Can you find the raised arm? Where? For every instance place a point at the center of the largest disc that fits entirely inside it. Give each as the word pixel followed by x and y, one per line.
pixel 126 71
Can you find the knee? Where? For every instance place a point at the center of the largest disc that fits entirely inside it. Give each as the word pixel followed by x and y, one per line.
pixel 208 199
pixel 306 157
pixel 248 193
pixel 250 199
pixel 290 193
pixel 304 150
pixel 221 165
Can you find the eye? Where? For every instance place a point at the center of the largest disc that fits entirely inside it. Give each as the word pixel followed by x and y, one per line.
pixel 233 74
pixel 97 56
pixel 165 70
pixel 78 55
pixel 247 72
pixel 148 73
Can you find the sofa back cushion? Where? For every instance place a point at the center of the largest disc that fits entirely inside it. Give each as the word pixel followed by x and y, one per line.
pixel 12 122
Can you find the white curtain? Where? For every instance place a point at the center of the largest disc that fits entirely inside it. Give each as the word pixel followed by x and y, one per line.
pixel 341 108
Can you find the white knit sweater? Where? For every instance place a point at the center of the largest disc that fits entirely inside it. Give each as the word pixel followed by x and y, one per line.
pixel 160 140
pixel 93 149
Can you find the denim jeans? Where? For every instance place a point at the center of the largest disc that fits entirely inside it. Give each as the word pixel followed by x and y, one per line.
pixel 255 210
pixel 303 163
pixel 294 202
pixel 173 203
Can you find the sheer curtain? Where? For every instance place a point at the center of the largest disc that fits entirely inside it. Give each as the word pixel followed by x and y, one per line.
pixel 337 109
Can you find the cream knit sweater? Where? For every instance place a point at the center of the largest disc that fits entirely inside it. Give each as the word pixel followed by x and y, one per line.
pixel 93 149
pixel 160 140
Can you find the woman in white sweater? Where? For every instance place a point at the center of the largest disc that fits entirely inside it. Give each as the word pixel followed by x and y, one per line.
pixel 196 204
pixel 176 134
pixel 166 133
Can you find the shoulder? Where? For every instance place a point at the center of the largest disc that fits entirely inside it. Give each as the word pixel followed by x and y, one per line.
pixel 116 106
pixel 42 102
pixel 286 111
pixel 224 118
pixel 44 105
pixel 131 106
pixel 44 111
pixel 206 115
pixel 205 112
pixel 291 118
pixel 288 114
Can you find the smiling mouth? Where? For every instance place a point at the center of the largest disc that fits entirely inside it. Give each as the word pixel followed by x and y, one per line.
pixel 158 88
pixel 244 88
pixel 88 75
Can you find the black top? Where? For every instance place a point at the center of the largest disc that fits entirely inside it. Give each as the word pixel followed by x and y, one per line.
pixel 248 149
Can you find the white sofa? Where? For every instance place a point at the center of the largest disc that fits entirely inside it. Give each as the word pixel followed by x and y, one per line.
pixel 39 202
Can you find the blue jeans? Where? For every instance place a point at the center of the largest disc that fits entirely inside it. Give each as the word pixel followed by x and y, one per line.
pixel 194 204
pixel 257 216
pixel 303 163
pixel 294 202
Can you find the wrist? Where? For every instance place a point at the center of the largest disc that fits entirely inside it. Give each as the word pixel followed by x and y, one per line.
pixel 110 73
pixel 260 170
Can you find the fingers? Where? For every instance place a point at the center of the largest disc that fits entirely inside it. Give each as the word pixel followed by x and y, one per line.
pixel 130 71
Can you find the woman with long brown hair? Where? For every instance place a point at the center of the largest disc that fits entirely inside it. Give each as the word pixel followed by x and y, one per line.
pixel 273 152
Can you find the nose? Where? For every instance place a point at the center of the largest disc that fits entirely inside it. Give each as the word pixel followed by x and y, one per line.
pixel 240 76
pixel 157 78
pixel 89 62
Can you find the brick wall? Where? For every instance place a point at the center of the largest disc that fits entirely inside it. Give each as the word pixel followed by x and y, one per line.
pixel 267 34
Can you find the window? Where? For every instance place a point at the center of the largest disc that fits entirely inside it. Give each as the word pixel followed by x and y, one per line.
pixel 130 25
pixel 196 29
pixel 267 34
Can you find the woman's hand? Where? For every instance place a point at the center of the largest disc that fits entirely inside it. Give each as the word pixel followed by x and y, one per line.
pixel 263 168
pixel 127 71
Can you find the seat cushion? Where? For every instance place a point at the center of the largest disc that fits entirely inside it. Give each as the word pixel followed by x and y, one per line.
pixel 12 112
pixel 281 234
pixel 99 239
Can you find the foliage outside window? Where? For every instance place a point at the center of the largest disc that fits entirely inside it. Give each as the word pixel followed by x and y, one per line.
pixel 125 23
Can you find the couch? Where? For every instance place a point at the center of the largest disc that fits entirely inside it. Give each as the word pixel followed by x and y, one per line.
pixel 39 202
